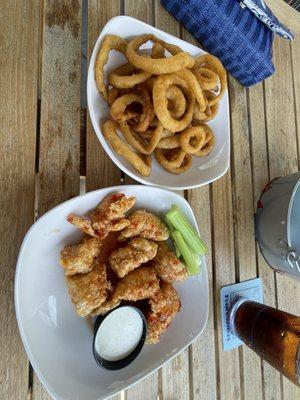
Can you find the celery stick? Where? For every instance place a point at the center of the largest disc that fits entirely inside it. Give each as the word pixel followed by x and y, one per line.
pixel 171 229
pixel 175 217
pixel 188 256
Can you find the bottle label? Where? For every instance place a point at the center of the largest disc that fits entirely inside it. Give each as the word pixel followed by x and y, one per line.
pixel 251 290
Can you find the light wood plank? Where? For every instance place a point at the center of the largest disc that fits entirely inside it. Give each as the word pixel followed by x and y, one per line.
pixel 18 103
pixel 282 141
pixel 148 387
pixel 271 378
pixel 251 378
pixel 175 375
pixel 100 170
pixel 60 113
pixel 295 53
pixel 228 373
pixel 203 352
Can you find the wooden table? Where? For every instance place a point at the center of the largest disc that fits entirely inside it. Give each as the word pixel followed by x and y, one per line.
pixel 48 148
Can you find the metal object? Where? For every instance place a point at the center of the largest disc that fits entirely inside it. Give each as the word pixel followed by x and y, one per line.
pixel 277 224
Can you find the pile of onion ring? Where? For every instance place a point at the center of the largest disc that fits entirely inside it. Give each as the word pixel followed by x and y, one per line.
pixel 159 104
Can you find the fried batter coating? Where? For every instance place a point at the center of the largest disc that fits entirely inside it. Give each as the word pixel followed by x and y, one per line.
pixel 146 225
pixel 135 253
pixel 139 284
pixel 106 215
pixel 78 259
pixel 167 266
pixel 81 223
pixel 105 307
pixel 165 304
pixel 88 291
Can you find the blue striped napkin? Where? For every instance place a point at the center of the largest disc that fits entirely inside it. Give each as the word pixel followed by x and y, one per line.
pixel 232 32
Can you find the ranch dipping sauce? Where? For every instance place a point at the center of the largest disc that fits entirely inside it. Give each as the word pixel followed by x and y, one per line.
pixel 119 334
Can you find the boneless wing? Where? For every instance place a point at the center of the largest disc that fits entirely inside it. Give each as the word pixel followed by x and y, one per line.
pixel 135 253
pixel 146 225
pixel 79 258
pixel 109 214
pixel 165 304
pixel 139 284
pixel 88 291
pixel 167 266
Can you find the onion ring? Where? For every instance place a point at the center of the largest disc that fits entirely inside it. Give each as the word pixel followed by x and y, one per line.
pixel 192 81
pixel 127 76
pixel 148 110
pixel 170 142
pixel 192 139
pixel 110 42
pixel 176 101
pixel 149 133
pixel 207 78
pixel 209 142
pixel 138 142
pixel 175 161
pixel 186 164
pixel 177 61
pixel 169 158
pixel 118 108
pixel 141 164
pixel 158 51
pixel 213 63
pixel 160 102
pixel 209 113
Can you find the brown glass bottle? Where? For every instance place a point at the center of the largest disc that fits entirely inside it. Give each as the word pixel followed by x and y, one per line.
pixel 272 334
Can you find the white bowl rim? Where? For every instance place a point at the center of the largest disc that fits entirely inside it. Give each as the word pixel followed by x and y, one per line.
pixel 26 345
pixel 100 137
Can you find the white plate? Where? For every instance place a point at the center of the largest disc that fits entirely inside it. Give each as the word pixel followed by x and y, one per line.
pixel 57 341
pixel 204 170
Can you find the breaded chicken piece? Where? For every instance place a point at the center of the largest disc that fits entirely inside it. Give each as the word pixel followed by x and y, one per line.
pixel 81 223
pixel 146 225
pixel 135 253
pixel 78 259
pixel 105 307
pixel 109 214
pixel 165 304
pixel 167 266
pixel 88 291
pixel 139 284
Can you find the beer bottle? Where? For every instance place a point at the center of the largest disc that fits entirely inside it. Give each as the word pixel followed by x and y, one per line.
pixel 272 334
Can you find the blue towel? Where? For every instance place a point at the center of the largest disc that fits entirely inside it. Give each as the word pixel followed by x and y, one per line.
pixel 234 34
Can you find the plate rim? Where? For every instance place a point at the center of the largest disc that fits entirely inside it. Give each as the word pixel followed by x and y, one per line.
pixel 96 125
pixel 25 342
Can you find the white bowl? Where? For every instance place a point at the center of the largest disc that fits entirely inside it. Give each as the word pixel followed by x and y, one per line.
pixel 204 170
pixel 57 341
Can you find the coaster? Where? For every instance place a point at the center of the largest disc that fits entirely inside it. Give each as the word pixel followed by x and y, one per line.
pixel 252 290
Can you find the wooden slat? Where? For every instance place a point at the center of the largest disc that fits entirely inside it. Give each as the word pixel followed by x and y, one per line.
pixel 175 375
pixel 202 352
pixel 100 170
pixel 148 387
pixel 228 373
pixel 18 103
pixel 283 160
pixel 295 53
pixel 59 152
pixel 260 175
pixel 250 367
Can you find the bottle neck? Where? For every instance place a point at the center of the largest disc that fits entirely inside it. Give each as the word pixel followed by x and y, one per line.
pixel 232 311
